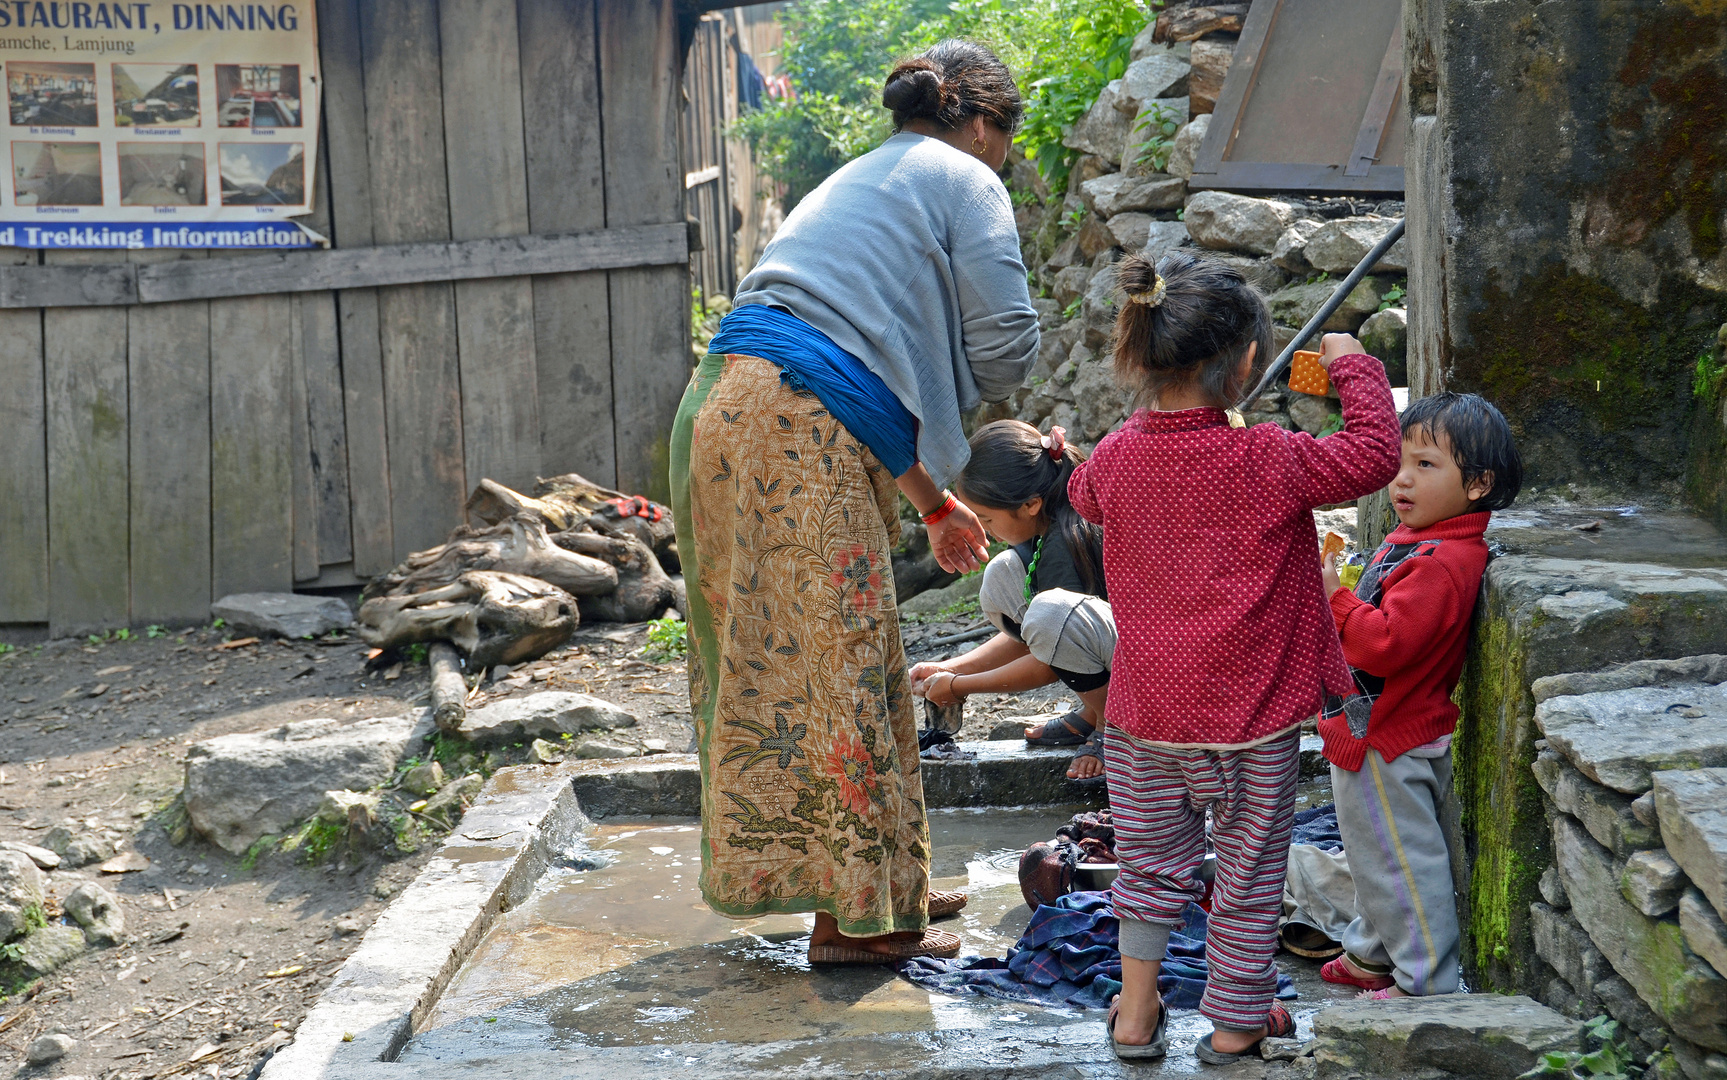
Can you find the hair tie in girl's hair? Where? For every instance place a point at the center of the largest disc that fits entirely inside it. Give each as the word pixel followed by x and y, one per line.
pixel 1055 442
pixel 1153 296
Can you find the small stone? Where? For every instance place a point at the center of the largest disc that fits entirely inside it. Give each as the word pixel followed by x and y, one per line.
pixel 42 857
pixel 127 862
pixel 1385 335
pixel 1094 238
pixel 1219 219
pixel 1703 929
pixel 1553 890
pixel 1184 148
pixel 21 893
pixel 1310 413
pixel 1293 305
pixel 454 798
pixel 545 715
pixel 545 753
pixel 655 746
pixel 1156 76
pixel 1012 728
pixel 1104 128
pixel 1117 194
pixel 1653 882
pixel 76 848
pixel 1271 1049
pixel 423 779
pixel 49 1049
pixel 96 910
pixel 282 614
pixel 350 809
pixel 1693 809
pixel 1487 1036
pixel 1337 246
pixel 48 947
pixel 605 749
pixel 345 926
pixel 1290 252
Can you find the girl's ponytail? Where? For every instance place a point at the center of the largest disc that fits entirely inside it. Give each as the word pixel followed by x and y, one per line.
pixel 1187 319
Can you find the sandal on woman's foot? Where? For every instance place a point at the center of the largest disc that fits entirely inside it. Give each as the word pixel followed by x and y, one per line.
pixel 1337 971
pixel 937 943
pixel 1308 941
pixel 1069 730
pixel 1156 1048
pixel 943 904
pixel 1278 1025
pixel 1093 748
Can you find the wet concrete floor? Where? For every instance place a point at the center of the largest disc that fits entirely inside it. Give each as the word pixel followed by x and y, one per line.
pixel 615 956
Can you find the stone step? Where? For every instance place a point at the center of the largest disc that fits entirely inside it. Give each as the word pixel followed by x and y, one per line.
pixel 1693 811
pixel 1482 1036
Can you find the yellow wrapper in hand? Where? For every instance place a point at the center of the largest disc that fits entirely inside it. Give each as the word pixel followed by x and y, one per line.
pixel 1349 575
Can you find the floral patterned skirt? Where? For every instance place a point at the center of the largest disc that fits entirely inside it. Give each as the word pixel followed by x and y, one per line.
pixel 811 795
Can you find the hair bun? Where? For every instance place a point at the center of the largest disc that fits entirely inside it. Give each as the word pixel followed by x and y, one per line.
pixel 913 92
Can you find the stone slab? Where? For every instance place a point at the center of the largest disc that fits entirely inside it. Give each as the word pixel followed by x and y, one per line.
pixel 524 817
pixel 1708 668
pixel 1703 929
pixel 545 715
pixel 1618 738
pixel 1650 954
pixel 1605 813
pixel 1692 807
pixel 1463 1035
pixel 48 947
pixel 999 774
pixel 1653 882
pixel 1565 945
pixel 21 892
pixel 287 615
pixel 245 786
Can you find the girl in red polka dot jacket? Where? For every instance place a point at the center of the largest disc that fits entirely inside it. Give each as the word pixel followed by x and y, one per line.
pixel 1224 640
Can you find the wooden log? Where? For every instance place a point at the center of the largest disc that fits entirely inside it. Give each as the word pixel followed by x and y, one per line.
pixel 518 546
pixel 168 362
pixel 643 592
pixel 24 449
pixel 327 429
pixel 566 193
pixel 494 618
pixel 1192 23
pixel 88 420
pixel 416 323
pixel 449 688
pixel 304 499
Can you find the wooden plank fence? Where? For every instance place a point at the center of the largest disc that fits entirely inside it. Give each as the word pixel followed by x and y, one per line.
pixel 507 296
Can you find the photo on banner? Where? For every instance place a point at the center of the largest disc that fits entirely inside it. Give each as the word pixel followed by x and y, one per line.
pixel 182 125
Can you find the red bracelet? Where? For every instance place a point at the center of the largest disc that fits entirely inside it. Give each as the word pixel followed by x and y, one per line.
pixel 948 506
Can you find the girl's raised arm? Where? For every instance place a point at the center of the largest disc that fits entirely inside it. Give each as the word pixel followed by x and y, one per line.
pixel 1364 456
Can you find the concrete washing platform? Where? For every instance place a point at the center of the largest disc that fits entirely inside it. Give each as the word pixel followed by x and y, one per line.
pixel 543 942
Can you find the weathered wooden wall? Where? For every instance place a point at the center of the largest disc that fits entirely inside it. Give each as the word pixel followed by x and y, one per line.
pixel 155 456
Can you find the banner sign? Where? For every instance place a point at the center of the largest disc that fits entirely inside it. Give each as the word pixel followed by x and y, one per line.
pixel 152 125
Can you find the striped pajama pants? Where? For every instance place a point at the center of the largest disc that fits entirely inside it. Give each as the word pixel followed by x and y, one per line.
pixel 1159 796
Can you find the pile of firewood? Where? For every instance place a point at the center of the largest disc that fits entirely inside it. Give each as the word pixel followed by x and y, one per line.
pixel 515 586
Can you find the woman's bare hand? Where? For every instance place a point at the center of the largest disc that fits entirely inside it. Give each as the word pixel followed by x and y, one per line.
pixel 940 691
pixel 958 541
pixel 921 674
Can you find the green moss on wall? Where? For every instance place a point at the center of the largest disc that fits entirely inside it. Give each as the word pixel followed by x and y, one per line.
pixel 1706 472
pixel 1506 831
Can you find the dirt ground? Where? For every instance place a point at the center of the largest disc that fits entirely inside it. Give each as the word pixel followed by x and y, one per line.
pixel 223 955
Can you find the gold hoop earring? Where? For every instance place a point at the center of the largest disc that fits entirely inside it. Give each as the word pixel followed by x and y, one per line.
pixel 978 146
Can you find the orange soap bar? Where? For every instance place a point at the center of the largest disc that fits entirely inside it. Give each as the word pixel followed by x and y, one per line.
pixel 1306 376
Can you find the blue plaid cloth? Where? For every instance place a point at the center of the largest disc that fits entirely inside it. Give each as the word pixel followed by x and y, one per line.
pixel 1318 827
pixel 1070 955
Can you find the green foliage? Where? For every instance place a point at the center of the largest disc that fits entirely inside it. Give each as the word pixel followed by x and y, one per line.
pixel 217 624
pixel 259 847
pixel 1333 425
pixel 1159 123
pixel 415 653
pixel 6 650
pixel 705 316
pixel 1071 311
pixel 839 52
pixel 1393 297
pixel 1611 1060
pixel 155 630
pixel 315 838
pixel 1708 379
pixel 667 640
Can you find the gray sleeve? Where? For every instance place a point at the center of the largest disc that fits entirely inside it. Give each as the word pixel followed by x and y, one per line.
pixel 997 320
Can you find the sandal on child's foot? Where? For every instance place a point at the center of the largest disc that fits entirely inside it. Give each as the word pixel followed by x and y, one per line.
pixel 1156 1048
pixel 1278 1025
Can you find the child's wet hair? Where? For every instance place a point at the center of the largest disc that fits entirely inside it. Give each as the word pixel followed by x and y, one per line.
pixel 1481 442
pixel 1197 331
pixel 1010 466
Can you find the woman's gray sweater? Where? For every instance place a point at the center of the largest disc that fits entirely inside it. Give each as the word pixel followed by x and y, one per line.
pixel 908 258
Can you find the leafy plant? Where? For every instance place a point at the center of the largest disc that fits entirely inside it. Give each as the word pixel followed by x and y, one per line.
pixel 1611 1060
pixel 1333 425
pixel 1072 308
pixel 415 653
pixel 667 640
pixel 257 850
pixel 1708 379
pixel 1160 123
pixel 315 838
pixel 217 624
pixel 155 630
pixel 1393 297
pixel 6 649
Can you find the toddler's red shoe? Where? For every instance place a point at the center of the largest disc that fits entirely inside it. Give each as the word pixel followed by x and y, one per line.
pixel 1335 971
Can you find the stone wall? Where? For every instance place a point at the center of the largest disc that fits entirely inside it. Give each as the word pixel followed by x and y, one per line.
pixel 1630 919
pixel 1124 195
pixel 1568 224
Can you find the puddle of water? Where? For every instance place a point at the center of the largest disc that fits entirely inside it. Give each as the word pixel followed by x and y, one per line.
pixel 616 949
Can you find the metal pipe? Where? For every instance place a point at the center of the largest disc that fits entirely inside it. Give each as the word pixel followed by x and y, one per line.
pixel 1343 290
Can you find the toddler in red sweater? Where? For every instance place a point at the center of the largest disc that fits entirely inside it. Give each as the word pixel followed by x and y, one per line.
pixel 1404 631
pixel 1224 644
